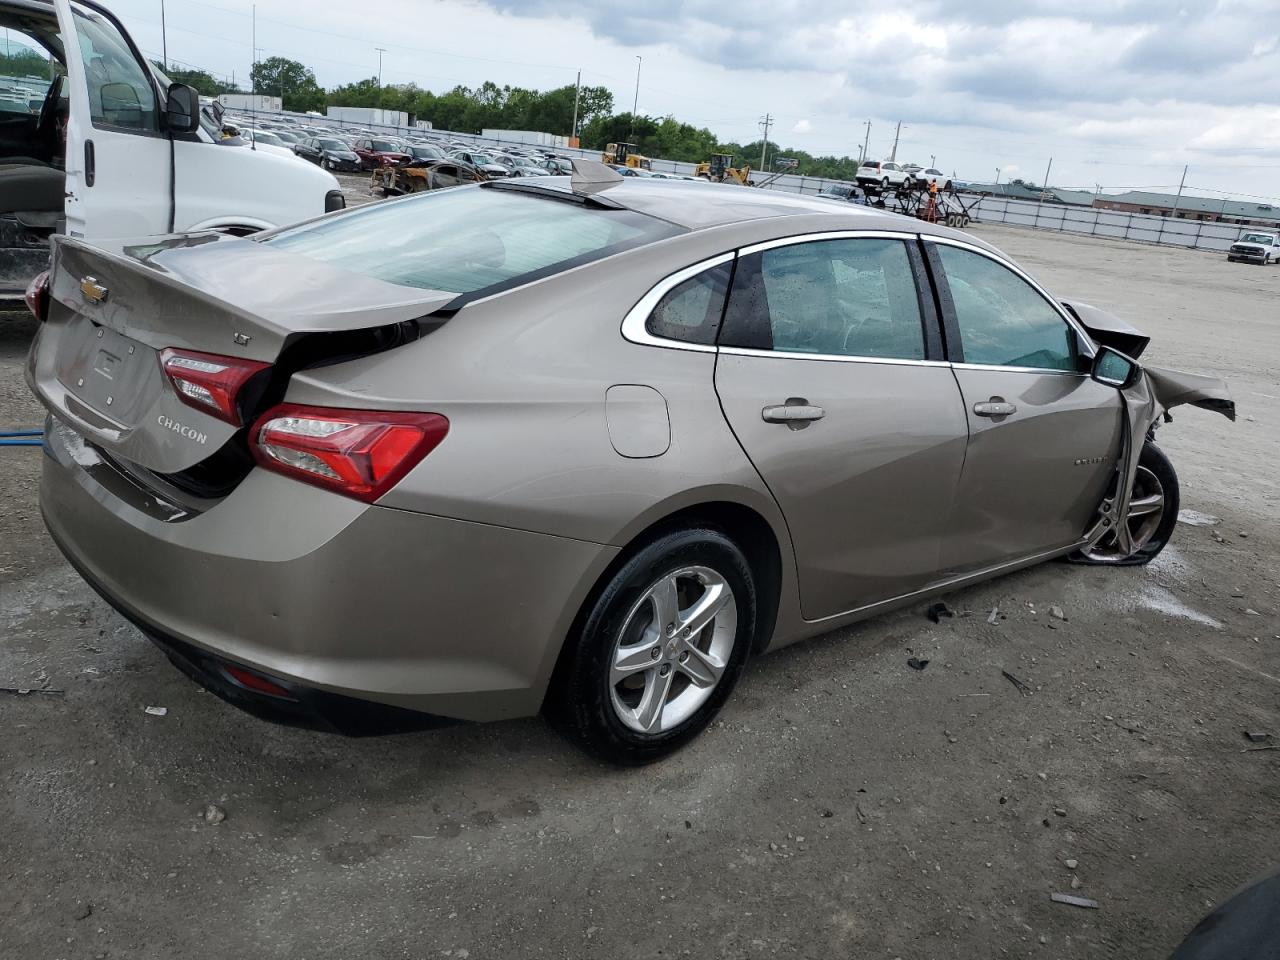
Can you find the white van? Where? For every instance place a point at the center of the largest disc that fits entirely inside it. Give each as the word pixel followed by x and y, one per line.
pixel 101 144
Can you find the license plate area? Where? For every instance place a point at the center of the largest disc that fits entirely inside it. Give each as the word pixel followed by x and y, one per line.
pixel 111 374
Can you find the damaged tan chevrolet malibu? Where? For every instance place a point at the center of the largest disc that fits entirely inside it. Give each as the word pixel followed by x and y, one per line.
pixel 581 446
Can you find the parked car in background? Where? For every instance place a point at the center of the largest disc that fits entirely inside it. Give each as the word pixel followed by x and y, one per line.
pixel 482 162
pixel 1255 247
pixel 425 151
pixel 376 151
pixel 848 192
pixel 557 165
pixel 329 152
pixel 923 176
pixel 882 173
pixel 470 520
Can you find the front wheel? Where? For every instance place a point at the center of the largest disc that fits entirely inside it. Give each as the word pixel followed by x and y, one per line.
pixel 1152 516
pixel 659 651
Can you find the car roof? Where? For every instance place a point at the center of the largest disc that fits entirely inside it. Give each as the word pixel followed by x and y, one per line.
pixel 696 206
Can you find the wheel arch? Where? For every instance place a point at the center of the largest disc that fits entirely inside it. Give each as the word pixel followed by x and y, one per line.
pixel 743 524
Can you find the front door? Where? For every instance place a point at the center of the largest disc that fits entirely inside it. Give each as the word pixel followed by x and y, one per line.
pixel 117 160
pixel 831 376
pixel 1044 437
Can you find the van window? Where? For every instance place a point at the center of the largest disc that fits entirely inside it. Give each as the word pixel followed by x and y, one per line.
pixel 120 91
pixel 26 70
pixel 470 239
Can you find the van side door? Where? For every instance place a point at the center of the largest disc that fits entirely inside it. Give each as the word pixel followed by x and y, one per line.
pixel 117 156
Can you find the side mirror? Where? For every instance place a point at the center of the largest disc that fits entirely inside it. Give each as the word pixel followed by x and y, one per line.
pixel 182 109
pixel 1113 368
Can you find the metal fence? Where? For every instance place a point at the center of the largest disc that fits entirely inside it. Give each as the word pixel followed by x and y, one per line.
pixel 1096 222
pixel 1089 221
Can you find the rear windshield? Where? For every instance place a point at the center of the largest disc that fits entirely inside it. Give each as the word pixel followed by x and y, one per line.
pixel 386 146
pixel 334 145
pixel 465 239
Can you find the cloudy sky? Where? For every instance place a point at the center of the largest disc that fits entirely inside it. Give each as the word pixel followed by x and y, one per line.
pixel 1120 93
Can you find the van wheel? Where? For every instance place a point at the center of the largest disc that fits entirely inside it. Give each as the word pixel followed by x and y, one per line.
pixel 1153 513
pixel 659 650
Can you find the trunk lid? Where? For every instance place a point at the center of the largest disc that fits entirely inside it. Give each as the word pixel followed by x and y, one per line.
pixel 115 305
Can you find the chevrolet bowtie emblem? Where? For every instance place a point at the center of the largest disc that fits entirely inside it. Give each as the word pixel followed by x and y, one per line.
pixel 93 291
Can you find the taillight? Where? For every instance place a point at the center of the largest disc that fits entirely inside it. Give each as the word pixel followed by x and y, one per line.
pixel 209 381
pixel 359 453
pixel 37 296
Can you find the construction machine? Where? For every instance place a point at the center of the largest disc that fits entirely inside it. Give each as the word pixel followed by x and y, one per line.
pixel 720 169
pixel 624 155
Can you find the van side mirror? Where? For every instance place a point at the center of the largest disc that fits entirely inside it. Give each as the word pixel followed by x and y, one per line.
pixel 1113 368
pixel 182 109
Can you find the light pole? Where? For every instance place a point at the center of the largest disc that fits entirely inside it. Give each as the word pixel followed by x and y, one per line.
pixel 635 104
pixel 933 160
pixel 865 140
pixel 381 51
pixel 997 183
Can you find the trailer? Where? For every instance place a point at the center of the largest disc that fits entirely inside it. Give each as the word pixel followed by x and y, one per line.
pixel 945 206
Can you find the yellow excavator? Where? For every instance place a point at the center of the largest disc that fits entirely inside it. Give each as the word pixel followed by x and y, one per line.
pixel 720 169
pixel 624 155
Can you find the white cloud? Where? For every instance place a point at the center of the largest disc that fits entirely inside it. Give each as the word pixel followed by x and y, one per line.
pixel 802 127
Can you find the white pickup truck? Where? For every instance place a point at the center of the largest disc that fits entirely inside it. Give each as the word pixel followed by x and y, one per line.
pixel 1255 247
pixel 101 144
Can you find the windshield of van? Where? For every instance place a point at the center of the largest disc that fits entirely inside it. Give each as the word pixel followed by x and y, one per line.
pixel 465 239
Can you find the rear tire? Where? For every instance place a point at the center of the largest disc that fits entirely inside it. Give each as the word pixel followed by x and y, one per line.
pixel 610 693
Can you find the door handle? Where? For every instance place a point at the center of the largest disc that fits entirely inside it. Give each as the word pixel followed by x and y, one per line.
pixel 90 167
pixel 795 411
pixel 995 407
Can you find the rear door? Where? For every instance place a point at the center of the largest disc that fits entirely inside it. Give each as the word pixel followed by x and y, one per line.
pixel 117 160
pixel 831 375
pixel 1044 437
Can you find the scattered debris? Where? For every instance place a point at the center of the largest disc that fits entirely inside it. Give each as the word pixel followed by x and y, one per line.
pixel 1259 749
pixel 1075 882
pixel 1023 689
pixel 939 610
pixel 1057 613
pixel 1059 811
pixel 1071 864
pixel 1218 537
pixel 1242 535
pixel 23 691
pixel 915 663
pixel 1249 611
pixel 214 814
pixel 1194 518
pixel 1073 901
pixel 83 911
pixel 994 616
pixel 1256 736
pixel 156 711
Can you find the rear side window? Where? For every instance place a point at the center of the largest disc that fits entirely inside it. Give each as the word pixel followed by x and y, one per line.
pixel 468 240
pixel 691 310
pixel 854 298
pixel 1003 320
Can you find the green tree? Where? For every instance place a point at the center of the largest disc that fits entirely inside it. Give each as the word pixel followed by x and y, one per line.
pixel 290 80
pixel 206 84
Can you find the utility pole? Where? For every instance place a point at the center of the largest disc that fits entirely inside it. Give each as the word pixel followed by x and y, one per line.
pixel 381 51
pixel 164 38
pixel 253 77
pixel 933 160
pixel 635 104
pixel 997 183
pixel 766 123
pixel 893 154
pixel 1044 187
pixel 865 140
pixel 577 92
pixel 1181 184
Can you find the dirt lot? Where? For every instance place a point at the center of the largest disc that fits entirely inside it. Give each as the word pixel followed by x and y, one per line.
pixel 844 806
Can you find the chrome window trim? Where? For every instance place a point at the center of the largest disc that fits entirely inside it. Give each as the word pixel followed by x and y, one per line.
pixel 997 368
pixel 827 235
pixel 634 323
pixel 837 357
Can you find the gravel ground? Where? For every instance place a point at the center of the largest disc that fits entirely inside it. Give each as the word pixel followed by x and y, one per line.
pixel 844 805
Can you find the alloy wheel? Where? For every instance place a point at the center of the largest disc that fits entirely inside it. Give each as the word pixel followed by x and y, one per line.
pixel 1146 511
pixel 674 646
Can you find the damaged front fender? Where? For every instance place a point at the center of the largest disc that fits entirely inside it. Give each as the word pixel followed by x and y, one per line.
pixel 1152 394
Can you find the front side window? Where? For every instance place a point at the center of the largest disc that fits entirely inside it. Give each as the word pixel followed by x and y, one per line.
pixel 462 241
pixel 853 297
pixel 120 90
pixel 1003 320
pixel 690 311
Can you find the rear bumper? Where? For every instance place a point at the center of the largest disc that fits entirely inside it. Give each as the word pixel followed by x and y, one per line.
pixel 445 617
